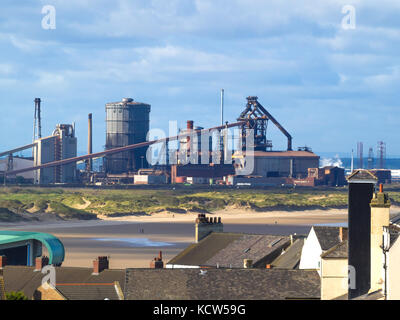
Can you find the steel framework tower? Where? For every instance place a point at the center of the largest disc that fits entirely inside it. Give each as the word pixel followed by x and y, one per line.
pixel 381 152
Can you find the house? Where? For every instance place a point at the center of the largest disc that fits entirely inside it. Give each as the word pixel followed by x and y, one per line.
pixel 365 265
pixel 334 271
pixel 97 283
pixel 221 284
pixel 319 240
pixel 217 249
pixel 231 250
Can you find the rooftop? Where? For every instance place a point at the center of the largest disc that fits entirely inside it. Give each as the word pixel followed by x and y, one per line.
pixel 230 249
pixel 339 251
pixel 25 279
pixel 291 257
pixel 89 291
pixel 221 284
pixel 328 236
pixel 285 154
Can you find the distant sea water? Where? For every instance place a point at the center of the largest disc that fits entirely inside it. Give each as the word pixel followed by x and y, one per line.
pixel 390 163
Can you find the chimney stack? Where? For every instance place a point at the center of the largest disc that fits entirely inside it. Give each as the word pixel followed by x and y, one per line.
pixel 3 262
pixel 41 262
pixel 204 226
pixel 100 264
pixel 361 188
pixel 343 234
pixel 157 263
pixel 380 217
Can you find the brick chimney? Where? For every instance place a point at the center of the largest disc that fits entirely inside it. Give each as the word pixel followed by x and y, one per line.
pixel 3 261
pixel 157 263
pixel 100 264
pixel 204 226
pixel 40 262
pixel 343 234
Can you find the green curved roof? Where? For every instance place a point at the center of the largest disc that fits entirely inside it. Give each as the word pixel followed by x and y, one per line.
pixel 54 246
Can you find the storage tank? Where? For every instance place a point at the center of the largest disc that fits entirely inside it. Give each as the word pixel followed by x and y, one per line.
pixel 127 123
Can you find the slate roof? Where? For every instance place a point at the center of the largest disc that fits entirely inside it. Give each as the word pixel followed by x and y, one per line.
pixel 221 284
pixel 88 291
pixel 2 289
pixel 341 250
pixel 376 295
pixel 291 257
pixel 230 249
pixel 327 236
pixel 362 174
pixel 25 279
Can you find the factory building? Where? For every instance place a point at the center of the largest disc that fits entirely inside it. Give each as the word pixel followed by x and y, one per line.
pixel 17 163
pixel 127 123
pixel 62 144
pixel 284 163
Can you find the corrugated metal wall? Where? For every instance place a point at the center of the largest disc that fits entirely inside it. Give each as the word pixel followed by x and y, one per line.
pixel 127 123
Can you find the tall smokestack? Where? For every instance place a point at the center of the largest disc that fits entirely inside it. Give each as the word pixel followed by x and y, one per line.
pixel 37 121
pixel 90 140
pixel 222 107
pixel 361 189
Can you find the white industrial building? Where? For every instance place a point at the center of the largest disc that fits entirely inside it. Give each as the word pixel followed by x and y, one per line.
pixel 61 145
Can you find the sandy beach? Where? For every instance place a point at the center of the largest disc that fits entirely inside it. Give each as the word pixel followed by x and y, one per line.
pixel 127 245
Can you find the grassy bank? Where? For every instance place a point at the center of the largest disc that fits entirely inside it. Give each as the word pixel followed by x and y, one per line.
pixel 28 203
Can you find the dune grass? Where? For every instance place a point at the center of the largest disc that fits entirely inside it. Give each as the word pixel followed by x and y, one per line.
pixel 70 203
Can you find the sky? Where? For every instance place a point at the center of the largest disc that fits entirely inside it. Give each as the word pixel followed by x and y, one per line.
pixel 329 85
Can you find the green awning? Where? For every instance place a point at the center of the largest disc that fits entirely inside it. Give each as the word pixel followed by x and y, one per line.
pixel 54 246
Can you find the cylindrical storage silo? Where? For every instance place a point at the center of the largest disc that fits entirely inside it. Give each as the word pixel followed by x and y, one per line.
pixel 127 123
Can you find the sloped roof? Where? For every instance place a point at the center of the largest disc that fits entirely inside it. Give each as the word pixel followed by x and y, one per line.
pixel 88 291
pixel 341 250
pixel 199 253
pixel 283 154
pixel 25 279
pixel 327 236
pixel 221 284
pixel 291 257
pixel 54 246
pixel 2 289
pixel 362 175
pixel 230 249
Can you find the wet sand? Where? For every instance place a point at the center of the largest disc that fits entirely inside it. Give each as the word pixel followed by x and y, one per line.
pixel 122 239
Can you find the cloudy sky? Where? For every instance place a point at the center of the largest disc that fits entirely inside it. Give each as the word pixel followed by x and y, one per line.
pixel 329 86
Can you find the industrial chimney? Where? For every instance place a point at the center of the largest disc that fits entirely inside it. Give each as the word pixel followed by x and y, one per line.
pixel 90 142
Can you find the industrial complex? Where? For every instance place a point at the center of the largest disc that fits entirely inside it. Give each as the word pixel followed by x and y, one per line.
pixel 202 156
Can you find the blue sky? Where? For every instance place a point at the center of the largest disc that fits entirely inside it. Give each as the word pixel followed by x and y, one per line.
pixel 328 86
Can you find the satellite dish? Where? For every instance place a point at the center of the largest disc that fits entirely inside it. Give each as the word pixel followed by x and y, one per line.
pixel 386 239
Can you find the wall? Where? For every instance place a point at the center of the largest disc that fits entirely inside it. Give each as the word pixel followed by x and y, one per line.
pixel 265 166
pixel 46 292
pixel 311 253
pixel 393 274
pixel 334 278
